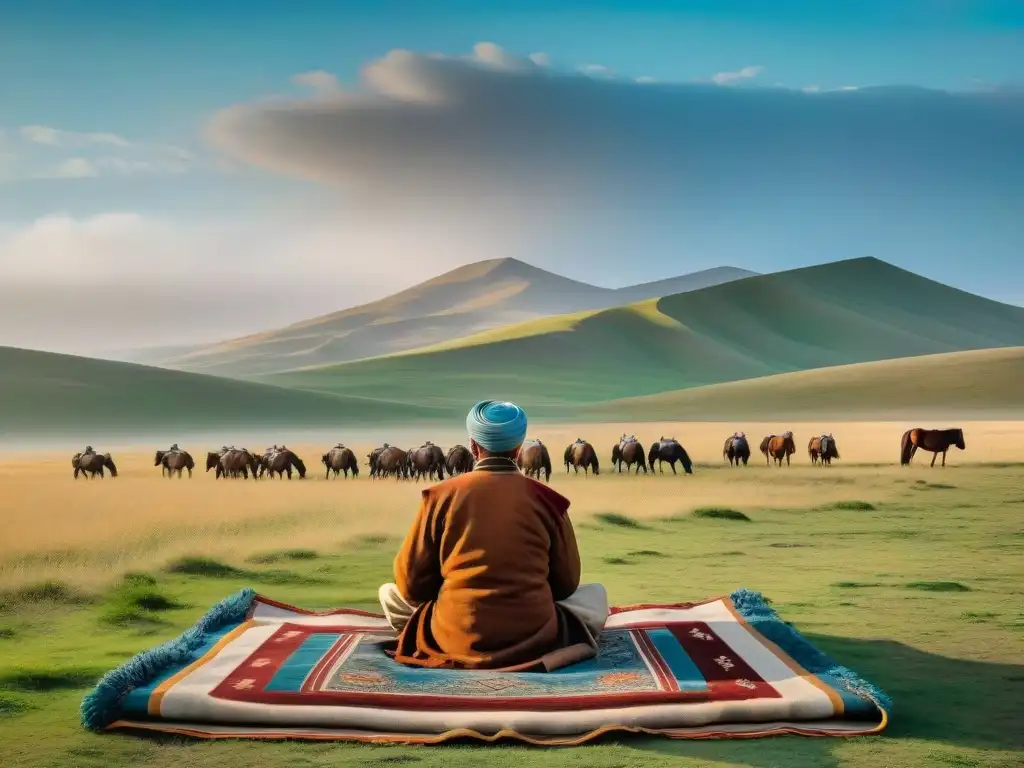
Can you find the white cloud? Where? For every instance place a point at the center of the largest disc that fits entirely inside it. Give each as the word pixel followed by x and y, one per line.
pixel 728 78
pixel 75 168
pixel 54 137
pixel 598 69
pixel 811 89
pixel 540 59
pixel 318 81
pixel 646 79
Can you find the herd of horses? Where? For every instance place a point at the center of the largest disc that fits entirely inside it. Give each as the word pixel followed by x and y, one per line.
pixel 430 462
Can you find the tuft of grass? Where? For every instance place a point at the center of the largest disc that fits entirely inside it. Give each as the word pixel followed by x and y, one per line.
pixel 855 506
pixel 12 705
pixel 51 592
pixel 938 586
pixel 857 584
pixel 616 561
pixel 137 601
pixel 978 617
pixel 719 513
pixel 616 519
pixel 6 633
pixel 266 558
pixel 732 553
pixel 647 553
pixel 286 577
pixel 31 680
pixel 788 544
pixel 204 566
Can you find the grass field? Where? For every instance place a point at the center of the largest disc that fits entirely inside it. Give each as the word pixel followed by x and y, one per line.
pixel 912 576
pixel 834 314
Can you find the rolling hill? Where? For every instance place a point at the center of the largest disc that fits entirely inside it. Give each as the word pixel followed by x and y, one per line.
pixel 845 312
pixel 42 394
pixel 980 384
pixel 476 297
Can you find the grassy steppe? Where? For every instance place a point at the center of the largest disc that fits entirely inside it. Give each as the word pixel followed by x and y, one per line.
pixel 911 576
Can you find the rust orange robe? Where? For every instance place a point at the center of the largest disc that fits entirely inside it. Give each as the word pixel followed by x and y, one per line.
pixel 488 555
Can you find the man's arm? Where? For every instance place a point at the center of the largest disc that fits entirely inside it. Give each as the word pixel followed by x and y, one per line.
pixel 564 563
pixel 418 563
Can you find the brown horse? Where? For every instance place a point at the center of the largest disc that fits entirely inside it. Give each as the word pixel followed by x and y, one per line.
pixel 534 458
pixel 764 448
pixel 340 459
pixel 282 461
pixel 373 456
pixel 669 449
pixel 174 461
pixel 736 449
pixel 629 451
pixel 234 462
pixel 92 464
pixel 426 461
pixel 935 440
pixel 581 454
pixel 779 447
pixel 459 460
pixel 823 448
pixel 393 461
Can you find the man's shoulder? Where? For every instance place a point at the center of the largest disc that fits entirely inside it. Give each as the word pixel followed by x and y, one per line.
pixel 538 492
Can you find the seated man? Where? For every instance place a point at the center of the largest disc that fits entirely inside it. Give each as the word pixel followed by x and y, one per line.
pixel 488 575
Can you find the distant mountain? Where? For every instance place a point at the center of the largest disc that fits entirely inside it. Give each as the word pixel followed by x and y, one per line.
pixel 42 393
pixel 473 298
pixel 834 314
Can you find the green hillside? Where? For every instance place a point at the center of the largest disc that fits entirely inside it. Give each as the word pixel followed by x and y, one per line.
pixel 43 393
pixel 472 298
pixel 840 313
pixel 977 384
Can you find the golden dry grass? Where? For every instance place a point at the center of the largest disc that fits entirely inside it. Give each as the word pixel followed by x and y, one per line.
pixel 89 532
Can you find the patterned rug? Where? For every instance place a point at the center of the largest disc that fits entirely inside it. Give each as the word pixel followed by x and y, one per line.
pixel 256 668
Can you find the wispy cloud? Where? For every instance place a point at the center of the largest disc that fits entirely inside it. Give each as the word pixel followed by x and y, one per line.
pixel 55 137
pixel 318 81
pixel 728 78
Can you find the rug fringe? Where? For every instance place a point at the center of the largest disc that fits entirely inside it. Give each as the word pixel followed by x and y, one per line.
pixel 101 706
pixel 754 608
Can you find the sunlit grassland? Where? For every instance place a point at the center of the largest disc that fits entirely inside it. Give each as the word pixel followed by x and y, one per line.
pixel 912 576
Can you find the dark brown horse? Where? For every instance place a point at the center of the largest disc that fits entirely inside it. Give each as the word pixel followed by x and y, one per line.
pixel 736 449
pixel 459 460
pixel 281 462
pixel 174 461
pixel 935 440
pixel 823 449
pixel 372 458
pixel 533 459
pixel 233 462
pixel 669 449
pixel 92 464
pixel 393 461
pixel 779 447
pixel 581 454
pixel 340 459
pixel 426 461
pixel 629 451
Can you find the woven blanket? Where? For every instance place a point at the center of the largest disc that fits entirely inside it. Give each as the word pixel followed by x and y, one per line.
pixel 257 668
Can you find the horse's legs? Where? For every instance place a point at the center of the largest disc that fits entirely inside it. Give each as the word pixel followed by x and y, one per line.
pixel 934 457
pixel 944 457
pixel 673 465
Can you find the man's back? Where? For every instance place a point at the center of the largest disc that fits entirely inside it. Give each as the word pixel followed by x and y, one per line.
pixel 491 552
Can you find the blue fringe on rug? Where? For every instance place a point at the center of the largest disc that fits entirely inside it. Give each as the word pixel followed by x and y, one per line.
pixel 100 707
pixel 754 608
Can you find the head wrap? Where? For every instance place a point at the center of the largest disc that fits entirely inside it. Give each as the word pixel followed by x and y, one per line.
pixel 495 426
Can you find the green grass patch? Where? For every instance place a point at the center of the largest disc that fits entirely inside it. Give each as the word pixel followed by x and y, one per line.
pixel 719 513
pixel 6 633
pixel 29 680
pixel 614 560
pixel 267 558
pixel 12 705
pixel 854 506
pixel 857 584
pixel 789 545
pixel 647 553
pixel 618 520
pixel 938 586
pixel 137 601
pixel 204 566
pixel 47 592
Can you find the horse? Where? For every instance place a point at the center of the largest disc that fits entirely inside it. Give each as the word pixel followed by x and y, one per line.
pixel 581 454
pixel 174 461
pixel 779 447
pixel 372 458
pixel 92 464
pixel 935 440
pixel 283 461
pixel 736 449
pixel 670 450
pixel 426 461
pixel 534 458
pixel 822 448
pixel 392 461
pixel 629 452
pixel 340 459
pixel 459 460
pixel 234 462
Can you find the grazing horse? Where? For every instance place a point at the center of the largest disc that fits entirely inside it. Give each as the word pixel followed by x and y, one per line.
pixel 459 460
pixel 581 454
pixel 372 458
pixel 426 461
pixel 779 447
pixel 534 458
pixel 92 464
pixel 174 461
pixel 629 451
pixel 234 462
pixel 393 461
pixel 670 450
pixel 935 440
pixel 283 461
pixel 736 449
pixel 340 459
pixel 823 448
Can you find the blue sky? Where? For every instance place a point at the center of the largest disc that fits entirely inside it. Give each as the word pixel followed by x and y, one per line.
pixel 131 89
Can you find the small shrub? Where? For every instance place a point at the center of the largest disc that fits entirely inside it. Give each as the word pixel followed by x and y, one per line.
pixel 939 586
pixel 719 513
pixel 616 561
pixel 267 558
pixel 204 566
pixel 614 518
pixel 855 506
pixel 53 592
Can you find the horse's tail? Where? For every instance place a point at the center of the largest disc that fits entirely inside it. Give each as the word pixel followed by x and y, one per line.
pixel 593 462
pixel 906 447
pixel 545 459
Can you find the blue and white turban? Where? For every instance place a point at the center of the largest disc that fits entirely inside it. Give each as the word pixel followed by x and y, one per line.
pixel 497 427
